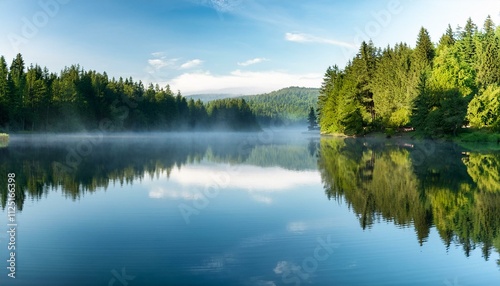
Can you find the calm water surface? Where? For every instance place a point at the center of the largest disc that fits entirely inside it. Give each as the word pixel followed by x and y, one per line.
pixel 272 208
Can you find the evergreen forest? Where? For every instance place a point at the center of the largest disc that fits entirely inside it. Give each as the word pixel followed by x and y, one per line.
pixel 436 89
pixel 36 100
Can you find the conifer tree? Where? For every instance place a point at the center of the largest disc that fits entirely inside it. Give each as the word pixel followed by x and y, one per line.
pixel 488 56
pixel 424 51
pixel 4 91
pixel 311 118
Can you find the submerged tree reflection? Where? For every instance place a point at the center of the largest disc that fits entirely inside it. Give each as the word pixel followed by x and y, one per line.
pixel 457 192
pixel 43 166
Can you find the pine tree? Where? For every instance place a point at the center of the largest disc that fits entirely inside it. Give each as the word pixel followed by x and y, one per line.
pixel 424 51
pixel 448 39
pixel 17 81
pixel 489 26
pixel 392 87
pixel 488 56
pixel 312 119
pixel 329 100
pixel 4 92
pixel 467 42
pixel 364 66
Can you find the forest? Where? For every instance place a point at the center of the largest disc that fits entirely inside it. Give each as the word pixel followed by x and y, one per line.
pixel 288 105
pixel 33 99
pixel 438 89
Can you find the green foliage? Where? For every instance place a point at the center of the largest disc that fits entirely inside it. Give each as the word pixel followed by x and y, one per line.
pixel 458 195
pixel 329 100
pixel 312 119
pixel 346 102
pixel 33 99
pixel 4 140
pixel 284 105
pixel 484 109
pixel 42 167
pixel 434 90
pixel 391 95
pixel 424 51
pixel 232 113
pixel 484 169
pixel 450 72
pixel 488 54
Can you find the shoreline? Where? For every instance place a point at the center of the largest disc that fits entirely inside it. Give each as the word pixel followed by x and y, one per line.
pixel 472 140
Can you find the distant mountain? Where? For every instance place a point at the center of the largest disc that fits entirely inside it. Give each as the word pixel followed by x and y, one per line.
pixel 288 104
pixel 291 104
pixel 209 97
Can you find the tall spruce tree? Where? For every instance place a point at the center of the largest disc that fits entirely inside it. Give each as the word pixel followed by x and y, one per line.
pixel 17 80
pixel 467 42
pixel 4 91
pixel 488 56
pixel 424 51
pixel 312 120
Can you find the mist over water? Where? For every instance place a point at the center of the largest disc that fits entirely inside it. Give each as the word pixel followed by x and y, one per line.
pixel 251 208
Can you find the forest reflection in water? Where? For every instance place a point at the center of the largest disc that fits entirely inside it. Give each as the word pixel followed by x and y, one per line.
pixel 420 185
pixel 86 163
pixel 417 185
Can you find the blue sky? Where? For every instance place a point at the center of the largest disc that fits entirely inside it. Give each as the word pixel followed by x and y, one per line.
pixel 219 46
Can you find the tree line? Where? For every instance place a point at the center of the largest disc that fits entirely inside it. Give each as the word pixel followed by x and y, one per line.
pixel 434 88
pixel 289 105
pixel 34 99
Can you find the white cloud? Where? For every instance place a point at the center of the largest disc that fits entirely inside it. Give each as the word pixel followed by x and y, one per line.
pixel 306 38
pixel 242 82
pixel 190 183
pixel 262 199
pixel 286 267
pixel 160 61
pixel 221 6
pixel 158 54
pixel 158 64
pixel 254 179
pixel 297 227
pixel 252 62
pixel 159 192
pixel 191 64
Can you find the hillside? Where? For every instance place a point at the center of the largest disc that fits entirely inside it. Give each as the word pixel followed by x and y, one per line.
pixel 209 97
pixel 291 104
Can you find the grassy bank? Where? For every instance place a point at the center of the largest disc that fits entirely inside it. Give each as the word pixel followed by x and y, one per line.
pixel 471 139
pixel 479 137
pixel 479 140
pixel 4 140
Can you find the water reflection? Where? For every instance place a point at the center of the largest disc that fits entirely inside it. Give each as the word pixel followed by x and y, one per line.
pixel 418 185
pixel 193 181
pixel 80 164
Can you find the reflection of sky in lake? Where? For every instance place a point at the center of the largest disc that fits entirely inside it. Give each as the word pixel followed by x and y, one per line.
pixel 190 182
pixel 262 227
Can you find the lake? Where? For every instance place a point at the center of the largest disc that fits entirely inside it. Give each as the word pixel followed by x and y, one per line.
pixel 268 208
